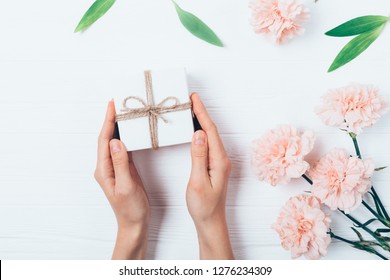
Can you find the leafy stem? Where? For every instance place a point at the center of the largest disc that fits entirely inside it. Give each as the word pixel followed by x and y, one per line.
pixel 361 245
pixel 379 238
pixel 382 207
pixel 385 222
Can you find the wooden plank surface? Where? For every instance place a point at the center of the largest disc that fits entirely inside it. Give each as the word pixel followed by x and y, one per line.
pixel 54 86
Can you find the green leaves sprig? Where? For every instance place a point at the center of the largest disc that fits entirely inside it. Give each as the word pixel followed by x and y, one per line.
pixel 368 29
pixel 192 23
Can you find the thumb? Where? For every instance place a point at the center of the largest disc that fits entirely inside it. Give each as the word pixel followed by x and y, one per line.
pixel 199 154
pixel 120 161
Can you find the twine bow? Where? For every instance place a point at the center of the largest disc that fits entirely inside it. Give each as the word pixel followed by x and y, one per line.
pixel 150 110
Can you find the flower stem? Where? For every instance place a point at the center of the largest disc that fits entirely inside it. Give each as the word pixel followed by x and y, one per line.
pixel 355 143
pixel 332 235
pixel 382 243
pixel 358 246
pixel 358 223
pixel 380 203
pixel 385 222
pixel 307 179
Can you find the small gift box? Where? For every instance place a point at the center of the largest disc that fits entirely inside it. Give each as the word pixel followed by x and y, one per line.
pixel 158 112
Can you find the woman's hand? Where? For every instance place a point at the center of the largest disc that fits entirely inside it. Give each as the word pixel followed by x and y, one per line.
pixel 119 179
pixel 206 190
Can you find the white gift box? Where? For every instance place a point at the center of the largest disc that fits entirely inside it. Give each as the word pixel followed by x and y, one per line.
pixel 171 128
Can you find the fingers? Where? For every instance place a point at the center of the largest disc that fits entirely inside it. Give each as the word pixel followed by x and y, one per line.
pixel 120 162
pixel 106 133
pixel 215 144
pixel 199 154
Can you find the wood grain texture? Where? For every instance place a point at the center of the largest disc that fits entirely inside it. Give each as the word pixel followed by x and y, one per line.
pixel 54 86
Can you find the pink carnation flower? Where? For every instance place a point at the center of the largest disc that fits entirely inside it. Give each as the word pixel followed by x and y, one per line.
pixel 352 107
pixel 279 155
pixel 303 227
pixel 283 19
pixel 340 181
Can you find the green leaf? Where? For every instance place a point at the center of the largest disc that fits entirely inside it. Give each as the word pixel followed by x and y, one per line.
pixel 366 223
pixel 380 168
pixel 96 11
pixel 380 230
pixel 358 234
pixel 197 27
pixel 365 248
pixel 357 26
pixel 385 238
pixel 369 243
pixel 355 47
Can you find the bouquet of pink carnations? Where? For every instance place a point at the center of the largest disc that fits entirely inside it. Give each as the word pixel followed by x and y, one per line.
pixel 339 181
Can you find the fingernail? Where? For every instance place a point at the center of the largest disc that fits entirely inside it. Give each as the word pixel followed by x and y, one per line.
pixel 199 138
pixel 115 146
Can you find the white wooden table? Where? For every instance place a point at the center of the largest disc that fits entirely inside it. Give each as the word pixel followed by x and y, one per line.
pixel 54 86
